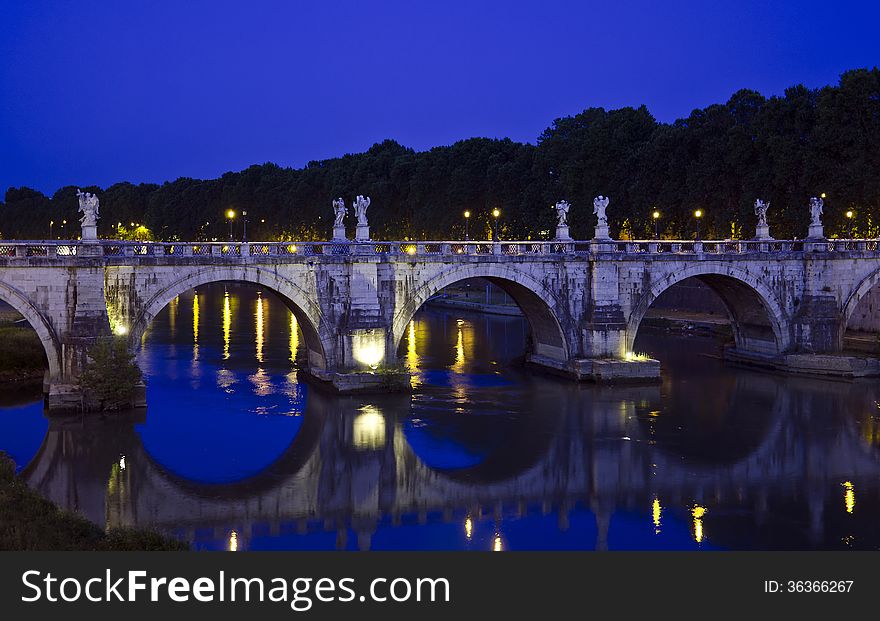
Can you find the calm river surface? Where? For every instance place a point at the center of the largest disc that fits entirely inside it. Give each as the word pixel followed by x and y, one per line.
pixel 234 452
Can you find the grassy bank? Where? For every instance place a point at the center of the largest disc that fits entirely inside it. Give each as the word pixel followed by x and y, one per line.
pixel 22 357
pixel 30 522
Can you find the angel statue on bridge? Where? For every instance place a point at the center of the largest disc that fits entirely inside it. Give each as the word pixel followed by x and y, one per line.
pixel 360 209
pixel 761 211
pixel 600 204
pixel 562 208
pixel 816 211
pixel 88 205
pixel 339 211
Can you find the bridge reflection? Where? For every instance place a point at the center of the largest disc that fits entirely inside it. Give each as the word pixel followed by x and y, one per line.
pixel 358 464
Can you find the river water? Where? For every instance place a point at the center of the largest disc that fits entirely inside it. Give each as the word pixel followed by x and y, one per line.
pixel 234 452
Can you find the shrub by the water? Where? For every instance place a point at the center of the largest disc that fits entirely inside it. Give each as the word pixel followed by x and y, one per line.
pixel 30 522
pixel 111 375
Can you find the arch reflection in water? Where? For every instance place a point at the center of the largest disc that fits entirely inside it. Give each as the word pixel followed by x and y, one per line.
pixel 211 435
pixel 532 461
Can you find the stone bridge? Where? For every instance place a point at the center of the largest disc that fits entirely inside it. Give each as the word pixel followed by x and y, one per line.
pixel 789 302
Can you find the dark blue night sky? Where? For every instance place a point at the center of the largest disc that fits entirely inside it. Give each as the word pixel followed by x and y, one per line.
pixel 100 92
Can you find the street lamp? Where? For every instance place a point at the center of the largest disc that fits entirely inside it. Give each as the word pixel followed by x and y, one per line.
pixel 230 215
pixel 467 220
pixel 244 232
pixel 656 216
pixel 849 216
pixel 495 213
pixel 698 214
pixel 51 222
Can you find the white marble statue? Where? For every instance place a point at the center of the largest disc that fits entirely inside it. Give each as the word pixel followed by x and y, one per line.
pixel 339 212
pixel 562 208
pixel 600 204
pixel 360 209
pixel 761 211
pixel 88 205
pixel 816 211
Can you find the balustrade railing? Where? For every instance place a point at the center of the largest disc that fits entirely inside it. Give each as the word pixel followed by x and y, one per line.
pixel 111 249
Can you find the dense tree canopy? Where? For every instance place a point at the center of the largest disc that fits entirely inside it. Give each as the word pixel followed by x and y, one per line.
pixel 719 159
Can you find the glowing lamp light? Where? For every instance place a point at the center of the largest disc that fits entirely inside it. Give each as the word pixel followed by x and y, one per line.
pixel 849 214
pixel 655 215
pixel 230 214
pixel 698 213
pixel 467 214
pixel 368 347
pixel 496 212
pixel 122 463
pixel 635 357
pixel 120 330
pixel 410 250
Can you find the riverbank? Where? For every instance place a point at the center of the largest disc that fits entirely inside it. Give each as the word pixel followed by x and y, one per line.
pixel 30 522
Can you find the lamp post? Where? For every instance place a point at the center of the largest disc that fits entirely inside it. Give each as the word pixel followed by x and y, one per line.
pixel 51 223
pixel 230 215
pixel 698 214
pixel 849 216
pixel 467 220
pixel 244 225
pixel 63 223
pixel 656 217
pixel 495 213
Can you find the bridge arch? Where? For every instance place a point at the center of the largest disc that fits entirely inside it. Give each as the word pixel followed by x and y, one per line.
pixel 39 323
pixel 751 306
pixel 318 336
pixel 538 304
pixel 858 294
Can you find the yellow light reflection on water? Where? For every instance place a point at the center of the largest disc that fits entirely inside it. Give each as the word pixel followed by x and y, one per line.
pixel 294 337
pixel 412 358
pixel 233 541
pixel 497 545
pixel 259 327
pixel 227 324
pixel 195 310
pixel 656 511
pixel 698 513
pixel 849 496
pixel 459 350
pixel 468 527
pixel 196 319
pixel 172 316
pixel 368 429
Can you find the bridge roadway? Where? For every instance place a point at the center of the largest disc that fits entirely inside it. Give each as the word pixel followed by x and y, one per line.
pixel 789 302
pixel 352 466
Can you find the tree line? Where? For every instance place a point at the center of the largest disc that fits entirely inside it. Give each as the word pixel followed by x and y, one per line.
pixel 785 149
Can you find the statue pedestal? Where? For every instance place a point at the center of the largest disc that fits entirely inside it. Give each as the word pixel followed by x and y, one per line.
pixel 362 233
pixel 89 232
pixel 339 233
pixel 817 231
pixel 601 233
pixel 762 233
pixel 562 233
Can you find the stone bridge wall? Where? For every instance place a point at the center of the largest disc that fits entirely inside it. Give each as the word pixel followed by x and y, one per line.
pixel 354 303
